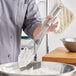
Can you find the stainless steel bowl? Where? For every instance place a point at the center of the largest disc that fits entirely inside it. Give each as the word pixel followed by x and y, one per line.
pixel 70 44
pixel 10 69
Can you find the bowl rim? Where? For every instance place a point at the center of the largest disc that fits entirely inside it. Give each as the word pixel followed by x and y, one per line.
pixel 74 69
pixel 65 39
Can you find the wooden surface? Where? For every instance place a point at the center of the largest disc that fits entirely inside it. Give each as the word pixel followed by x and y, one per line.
pixel 61 54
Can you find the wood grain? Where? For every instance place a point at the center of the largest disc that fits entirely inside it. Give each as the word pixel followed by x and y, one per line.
pixel 61 54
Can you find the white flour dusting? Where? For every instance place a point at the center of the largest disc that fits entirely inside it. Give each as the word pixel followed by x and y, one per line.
pixel 25 57
pixel 40 71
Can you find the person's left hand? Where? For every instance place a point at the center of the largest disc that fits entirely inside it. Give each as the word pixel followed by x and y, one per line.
pixel 53 25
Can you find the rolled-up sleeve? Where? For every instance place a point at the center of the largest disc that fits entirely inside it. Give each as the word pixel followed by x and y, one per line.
pixel 32 18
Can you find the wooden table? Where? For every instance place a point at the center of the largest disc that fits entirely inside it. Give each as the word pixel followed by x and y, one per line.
pixel 61 54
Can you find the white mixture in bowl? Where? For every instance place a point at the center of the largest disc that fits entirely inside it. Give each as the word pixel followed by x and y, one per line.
pixel 40 71
pixel 25 57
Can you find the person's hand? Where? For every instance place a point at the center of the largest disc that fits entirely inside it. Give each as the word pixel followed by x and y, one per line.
pixel 51 28
pixel 53 25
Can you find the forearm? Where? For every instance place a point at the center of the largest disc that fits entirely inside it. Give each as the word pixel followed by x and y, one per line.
pixel 37 30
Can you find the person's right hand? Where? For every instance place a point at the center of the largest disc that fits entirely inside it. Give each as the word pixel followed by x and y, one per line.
pixel 53 26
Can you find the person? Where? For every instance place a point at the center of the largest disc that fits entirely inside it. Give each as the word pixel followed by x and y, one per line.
pixel 15 16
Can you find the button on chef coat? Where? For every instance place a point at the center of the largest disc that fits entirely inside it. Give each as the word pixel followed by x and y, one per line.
pixel 16 15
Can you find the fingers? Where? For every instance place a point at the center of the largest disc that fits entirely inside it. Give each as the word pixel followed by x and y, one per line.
pixel 53 26
pixel 47 19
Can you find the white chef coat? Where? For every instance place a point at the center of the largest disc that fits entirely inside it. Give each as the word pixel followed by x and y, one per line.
pixel 16 15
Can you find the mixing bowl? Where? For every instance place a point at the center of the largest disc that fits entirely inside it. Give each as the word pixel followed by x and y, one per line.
pixel 70 44
pixel 58 69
